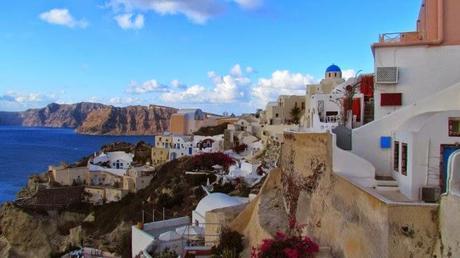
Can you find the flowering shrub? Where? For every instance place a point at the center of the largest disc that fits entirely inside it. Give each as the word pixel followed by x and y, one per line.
pixel 207 160
pixel 287 245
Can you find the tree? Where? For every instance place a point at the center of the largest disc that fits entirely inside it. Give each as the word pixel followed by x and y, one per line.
pixel 296 113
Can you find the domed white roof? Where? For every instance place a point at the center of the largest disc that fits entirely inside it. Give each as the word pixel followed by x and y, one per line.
pixel 216 201
pixel 169 236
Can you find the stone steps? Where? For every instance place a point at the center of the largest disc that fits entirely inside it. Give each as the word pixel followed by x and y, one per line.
pixel 386 182
pixel 387 188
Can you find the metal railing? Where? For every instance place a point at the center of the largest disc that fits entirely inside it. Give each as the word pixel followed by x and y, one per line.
pixel 390 37
pixel 187 239
pixel 398 37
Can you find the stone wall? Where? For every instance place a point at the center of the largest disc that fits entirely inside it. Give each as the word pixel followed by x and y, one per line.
pixel 217 219
pixel 263 216
pixel 344 216
pixel 448 244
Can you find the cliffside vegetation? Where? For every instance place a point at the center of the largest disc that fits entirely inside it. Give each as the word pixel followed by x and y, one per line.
pixel 39 233
pixel 211 130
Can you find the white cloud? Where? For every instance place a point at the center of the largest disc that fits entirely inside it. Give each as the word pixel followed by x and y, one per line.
pixel 347 74
pixel 229 88
pixel 129 21
pixel 236 70
pixel 15 101
pixel 125 101
pixel 192 94
pixel 236 87
pixel 282 82
pixel 197 11
pixel 62 17
pixel 249 4
pixel 250 70
pixel 176 84
pixel 146 87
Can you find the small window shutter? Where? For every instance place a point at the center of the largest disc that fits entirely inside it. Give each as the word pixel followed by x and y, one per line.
pixel 391 99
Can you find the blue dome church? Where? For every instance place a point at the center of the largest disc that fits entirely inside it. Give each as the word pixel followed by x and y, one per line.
pixel 333 71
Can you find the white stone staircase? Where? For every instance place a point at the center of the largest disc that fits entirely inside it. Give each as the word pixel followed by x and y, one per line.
pixel 386 184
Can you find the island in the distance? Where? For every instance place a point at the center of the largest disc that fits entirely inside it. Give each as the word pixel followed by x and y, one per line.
pixel 95 118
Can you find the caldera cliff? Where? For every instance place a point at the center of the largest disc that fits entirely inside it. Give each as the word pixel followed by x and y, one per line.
pixel 95 118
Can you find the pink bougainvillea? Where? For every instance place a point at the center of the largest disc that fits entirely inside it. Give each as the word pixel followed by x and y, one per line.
pixel 287 245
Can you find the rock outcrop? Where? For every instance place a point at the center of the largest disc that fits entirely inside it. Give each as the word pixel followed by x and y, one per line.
pixel 35 235
pixel 94 118
pixel 45 231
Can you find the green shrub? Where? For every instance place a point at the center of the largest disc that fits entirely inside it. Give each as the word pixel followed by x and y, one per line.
pixel 166 254
pixel 225 188
pixel 169 201
pixel 230 243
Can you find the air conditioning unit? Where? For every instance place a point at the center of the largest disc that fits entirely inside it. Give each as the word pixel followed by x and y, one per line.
pixel 387 75
pixel 431 193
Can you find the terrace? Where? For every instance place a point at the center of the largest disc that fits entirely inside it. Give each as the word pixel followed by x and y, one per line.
pixel 175 234
pixel 401 37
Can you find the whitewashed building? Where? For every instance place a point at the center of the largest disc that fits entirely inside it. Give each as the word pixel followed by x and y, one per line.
pixel 214 201
pixel 181 146
pixel 117 162
pixel 417 103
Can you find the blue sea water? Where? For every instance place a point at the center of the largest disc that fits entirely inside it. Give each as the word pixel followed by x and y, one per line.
pixel 25 151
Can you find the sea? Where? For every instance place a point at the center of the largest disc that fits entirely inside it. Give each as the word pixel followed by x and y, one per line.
pixel 28 150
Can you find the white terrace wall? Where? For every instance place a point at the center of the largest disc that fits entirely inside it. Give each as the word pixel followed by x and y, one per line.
pixel 423 71
pixel 352 166
pixel 366 139
pixel 424 138
pixel 140 240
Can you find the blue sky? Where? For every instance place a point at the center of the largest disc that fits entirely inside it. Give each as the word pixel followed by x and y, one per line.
pixel 219 55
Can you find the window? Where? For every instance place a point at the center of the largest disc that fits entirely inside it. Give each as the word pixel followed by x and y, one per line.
pixel 454 126
pixel 390 99
pixel 276 115
pixel 404 159
pixel 396 156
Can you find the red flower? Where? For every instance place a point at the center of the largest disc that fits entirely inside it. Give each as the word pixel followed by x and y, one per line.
pixel 280 236
pixel 291 245
pixel 312 247
pixel 292 222
pixel 266 245
pixel 291 253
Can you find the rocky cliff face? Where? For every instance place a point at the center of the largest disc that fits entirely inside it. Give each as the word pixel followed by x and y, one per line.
pixel 130 120
pixel 36 235
pixel 94 118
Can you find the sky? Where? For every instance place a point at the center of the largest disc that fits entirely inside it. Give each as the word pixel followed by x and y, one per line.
pixel 218 55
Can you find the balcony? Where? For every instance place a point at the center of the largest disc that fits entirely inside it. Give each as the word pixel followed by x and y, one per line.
pixel 401 38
